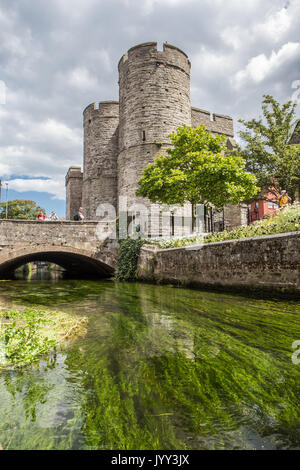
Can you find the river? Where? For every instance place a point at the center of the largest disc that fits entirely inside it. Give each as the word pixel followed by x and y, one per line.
pixel 160 368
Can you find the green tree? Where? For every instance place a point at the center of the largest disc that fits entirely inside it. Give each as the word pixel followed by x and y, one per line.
pixel 197 169
pixel 20 209
pixel 268 152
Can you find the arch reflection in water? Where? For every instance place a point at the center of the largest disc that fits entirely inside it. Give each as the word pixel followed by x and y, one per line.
pixel 40 271
pixel 78 263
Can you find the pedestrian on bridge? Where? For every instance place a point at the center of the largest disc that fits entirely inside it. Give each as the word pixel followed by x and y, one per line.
pixel 79 215
pixel 53 216
pixel 41 216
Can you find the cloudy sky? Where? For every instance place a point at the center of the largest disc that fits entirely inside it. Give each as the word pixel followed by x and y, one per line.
pixel 57 56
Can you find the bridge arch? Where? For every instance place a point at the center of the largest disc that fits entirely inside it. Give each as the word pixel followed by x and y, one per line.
pixel 79 262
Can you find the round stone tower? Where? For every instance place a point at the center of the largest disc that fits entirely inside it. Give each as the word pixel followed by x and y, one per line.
pixel 154 101
pixel 100 122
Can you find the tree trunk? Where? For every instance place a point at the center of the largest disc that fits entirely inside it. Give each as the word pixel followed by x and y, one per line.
pixel 193 217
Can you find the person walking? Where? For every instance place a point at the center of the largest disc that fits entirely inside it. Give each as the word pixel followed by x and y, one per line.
pixel 79 215
pixel 284 199
pixel 41 216
pixel 53 216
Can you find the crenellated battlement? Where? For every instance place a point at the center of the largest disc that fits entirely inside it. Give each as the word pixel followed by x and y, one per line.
pixel 122 137
pixel 73 182
pixel 145 47
pixel 104 108
pixel 73 172
pixel 149 53
pixel 216 123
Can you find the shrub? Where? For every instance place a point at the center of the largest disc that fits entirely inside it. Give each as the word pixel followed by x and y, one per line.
pixel 287 220
pixel 21 339
pixel 128 259
pixel 26 336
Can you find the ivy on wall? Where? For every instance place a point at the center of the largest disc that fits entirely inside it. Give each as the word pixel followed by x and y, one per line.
pixel 128 256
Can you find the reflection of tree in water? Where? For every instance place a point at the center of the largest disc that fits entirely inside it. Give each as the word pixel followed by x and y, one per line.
pixel 125 406
pixel 31 390
pixel 24 391
pixel 38 408
pixel 163 368
pixel 173 373
pixel 70 293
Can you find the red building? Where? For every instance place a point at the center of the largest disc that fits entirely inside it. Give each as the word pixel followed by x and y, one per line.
pixel 257 210
pixel 269 204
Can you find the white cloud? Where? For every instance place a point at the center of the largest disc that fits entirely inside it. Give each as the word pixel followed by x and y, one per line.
pixel 5 21
pixel 56 57
pixel 74 10
pixel 149 5
pixel 273 28
pixel 81 78
pixel 102 56
pixel 275 25
pixel 260 67
pixel 54 187
pixel 234 36
pixel 53 130
pixel 208 62
pixel 27 160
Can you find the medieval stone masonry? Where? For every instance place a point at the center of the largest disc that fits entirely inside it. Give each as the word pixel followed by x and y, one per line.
pixel 296 134
pixel 121 138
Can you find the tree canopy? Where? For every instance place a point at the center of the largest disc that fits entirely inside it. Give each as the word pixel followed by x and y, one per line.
pixel 197 169
pixel 268 152
pixel 20 209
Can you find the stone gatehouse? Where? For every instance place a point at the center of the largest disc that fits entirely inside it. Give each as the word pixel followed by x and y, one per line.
pixel 122 137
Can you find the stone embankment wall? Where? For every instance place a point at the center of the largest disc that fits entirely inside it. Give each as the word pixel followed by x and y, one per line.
pixel 267 263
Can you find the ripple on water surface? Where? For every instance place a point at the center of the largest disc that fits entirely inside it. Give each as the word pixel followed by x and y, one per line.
pixel 159 368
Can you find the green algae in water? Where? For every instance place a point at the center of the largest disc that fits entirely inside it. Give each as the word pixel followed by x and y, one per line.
pixel 29 334
pixel 159 368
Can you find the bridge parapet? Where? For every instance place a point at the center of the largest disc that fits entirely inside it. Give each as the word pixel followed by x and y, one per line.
pixel 62 242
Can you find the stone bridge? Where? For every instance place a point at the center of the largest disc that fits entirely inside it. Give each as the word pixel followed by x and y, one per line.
pixel 73 245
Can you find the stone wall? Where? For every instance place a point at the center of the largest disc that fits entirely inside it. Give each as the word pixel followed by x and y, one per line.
pixel 100 121
pixel 215 123
pixel 154 101
pixel 26 238
pixel 267 263
pixel 73 191
pixel 19 233
pixel 122 138
pixel 230 217
pixel 296 134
